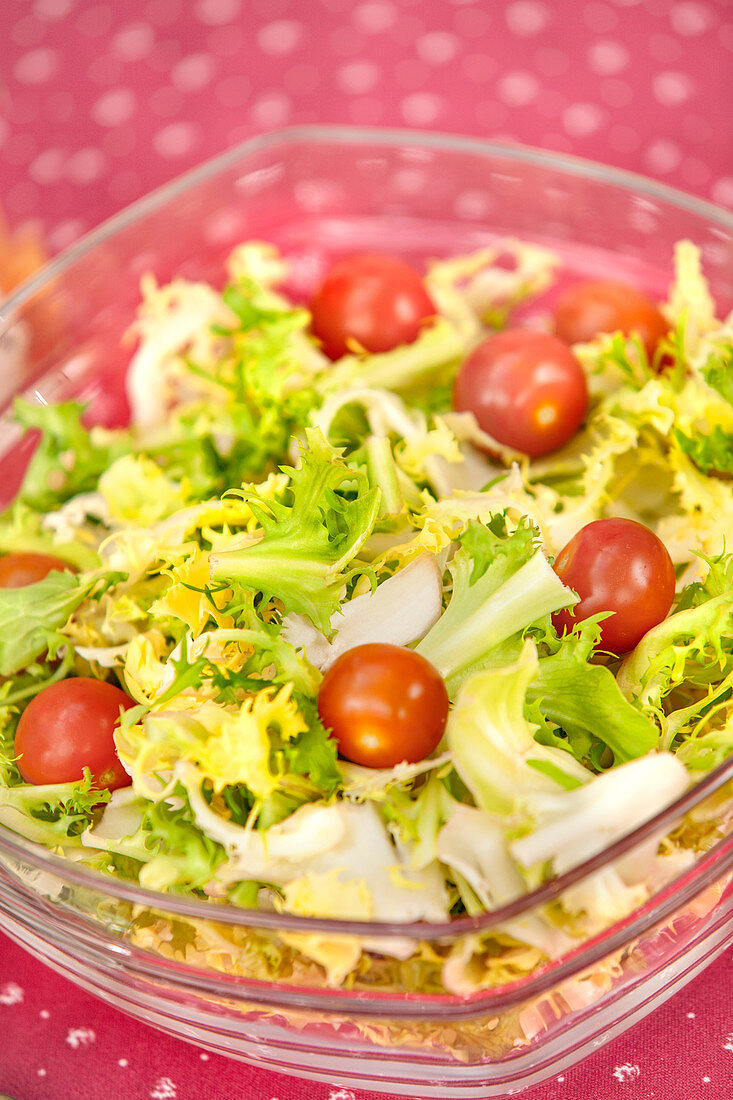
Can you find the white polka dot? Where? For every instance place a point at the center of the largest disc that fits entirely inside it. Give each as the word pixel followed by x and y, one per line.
pixel 85 166
pixel 233 91
pixel 217 12
pixel 624 139
pixel 472 205
pixel 48 166
pixel 36 66
pixel 194 72
pixel 616 93
pixel 375 16
pixel 663 156
pixel 690 18
pixel 176 140
pixel 45 1014
pixel 65 234
pixel 670 89
pixel 722 191
pixel 599 18
pixel 271 110
pixel 420 108
pixel 133 42
pixel 123 1063
pixel 582 119
pixel 280 37
pixel 664 48
pixel 204 1057
pixel 437 47
pixel 357 77
pixel 518 89
pixel 607 58
pixel 526 17
pixel 41 1072
pixel 114 107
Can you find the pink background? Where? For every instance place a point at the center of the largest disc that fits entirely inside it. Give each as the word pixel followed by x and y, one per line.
pixel 101 101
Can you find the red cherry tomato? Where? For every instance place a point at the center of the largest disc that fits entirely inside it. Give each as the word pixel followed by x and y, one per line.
pixel 525 388
pixel 383 704
pixel 19 569
pixel 589 308
pixel 378 301
pixel 621 566
pixel 68 727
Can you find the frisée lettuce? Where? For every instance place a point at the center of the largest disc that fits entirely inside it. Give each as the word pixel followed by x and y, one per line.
pixel 267 511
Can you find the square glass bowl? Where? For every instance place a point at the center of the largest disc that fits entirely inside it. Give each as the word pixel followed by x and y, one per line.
pixel 229 979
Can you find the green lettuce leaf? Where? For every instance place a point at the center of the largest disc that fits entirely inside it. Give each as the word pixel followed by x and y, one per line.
pixel 585 701
pixel 502 584
pixel 52 814
pixel 31 616
pixel 493 745
pixel 310 539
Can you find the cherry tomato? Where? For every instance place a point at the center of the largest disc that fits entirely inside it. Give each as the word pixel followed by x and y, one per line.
pixel 621 566
pixel 383 704
pixel 589 308
pixel 525 388
pixel 19 569
pixel 377 300
pixel 68 727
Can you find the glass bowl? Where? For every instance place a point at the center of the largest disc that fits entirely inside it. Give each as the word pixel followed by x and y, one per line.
pixel 231 979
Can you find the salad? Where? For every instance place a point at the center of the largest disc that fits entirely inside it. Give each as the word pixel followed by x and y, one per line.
pixel 388 609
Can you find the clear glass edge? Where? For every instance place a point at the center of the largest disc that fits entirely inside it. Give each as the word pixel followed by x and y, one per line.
pixel 563 162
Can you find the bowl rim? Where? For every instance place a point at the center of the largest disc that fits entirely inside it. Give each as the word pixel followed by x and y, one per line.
pixel 20 848
pixel 336 133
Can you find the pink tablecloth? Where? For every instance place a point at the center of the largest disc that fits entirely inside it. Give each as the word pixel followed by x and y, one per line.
pixel 60 1044
pixel 103 99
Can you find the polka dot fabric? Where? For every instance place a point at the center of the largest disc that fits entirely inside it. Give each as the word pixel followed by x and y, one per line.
pixel 102 100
